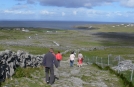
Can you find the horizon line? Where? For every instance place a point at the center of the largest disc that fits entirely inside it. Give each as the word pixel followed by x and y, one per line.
pixel 71 21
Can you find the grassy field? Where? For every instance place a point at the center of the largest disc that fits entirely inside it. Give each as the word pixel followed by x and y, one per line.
pixel 119 39
pixel 104 40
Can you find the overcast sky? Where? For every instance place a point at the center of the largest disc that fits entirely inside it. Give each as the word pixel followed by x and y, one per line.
pixel 68 10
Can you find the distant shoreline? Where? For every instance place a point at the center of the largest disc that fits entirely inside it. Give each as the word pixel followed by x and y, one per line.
pixel 68 25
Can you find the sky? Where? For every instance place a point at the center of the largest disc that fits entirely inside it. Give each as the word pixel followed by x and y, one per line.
pixel 68 10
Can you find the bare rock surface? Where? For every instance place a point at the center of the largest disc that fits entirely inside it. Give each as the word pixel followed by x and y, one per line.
pixel 85 76
pixel 124 65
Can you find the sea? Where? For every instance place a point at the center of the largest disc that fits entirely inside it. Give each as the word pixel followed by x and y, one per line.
pixel 50 24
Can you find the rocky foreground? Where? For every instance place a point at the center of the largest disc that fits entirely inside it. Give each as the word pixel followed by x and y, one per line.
pixel 85 76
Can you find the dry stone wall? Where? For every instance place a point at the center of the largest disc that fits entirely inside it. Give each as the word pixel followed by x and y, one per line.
pixel 10 60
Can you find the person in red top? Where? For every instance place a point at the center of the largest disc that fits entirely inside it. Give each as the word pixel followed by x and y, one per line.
pixel 80 59
pixel 59 57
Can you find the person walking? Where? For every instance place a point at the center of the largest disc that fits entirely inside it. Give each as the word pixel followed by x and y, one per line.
pixel 80 59
pixel 48 62
pixel 72 57
pixel 59 58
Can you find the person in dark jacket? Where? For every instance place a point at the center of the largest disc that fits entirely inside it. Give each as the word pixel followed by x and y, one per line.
pixel 48 62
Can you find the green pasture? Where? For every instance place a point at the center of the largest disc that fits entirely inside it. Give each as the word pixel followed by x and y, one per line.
pixel 118 40
pixel 125 52
pixel 30 49
pixel 105 35
pixel 14 34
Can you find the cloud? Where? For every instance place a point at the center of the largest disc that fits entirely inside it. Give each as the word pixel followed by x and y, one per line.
pixel 130 12
pixel 128 3
pixel 71 3
pixel 75 12
pixel 31 1
pixel 20 6
pixel 119 13
pixel 79 3
pixel 17 12
pixel 63 13
pixel 45 12
pixel 28 1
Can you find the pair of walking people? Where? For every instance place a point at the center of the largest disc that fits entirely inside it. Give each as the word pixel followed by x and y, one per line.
pixel 49 61
pixel 72 59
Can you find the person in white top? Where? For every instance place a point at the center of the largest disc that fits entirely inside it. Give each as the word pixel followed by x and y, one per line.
pixel 72 57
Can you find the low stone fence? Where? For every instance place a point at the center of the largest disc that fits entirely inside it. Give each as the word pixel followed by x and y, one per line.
pixel 10 60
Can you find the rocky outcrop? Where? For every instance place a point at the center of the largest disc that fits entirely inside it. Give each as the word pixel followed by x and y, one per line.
pixel 124 65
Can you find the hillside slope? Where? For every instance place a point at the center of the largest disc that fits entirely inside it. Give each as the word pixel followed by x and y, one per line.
pixel 85 76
